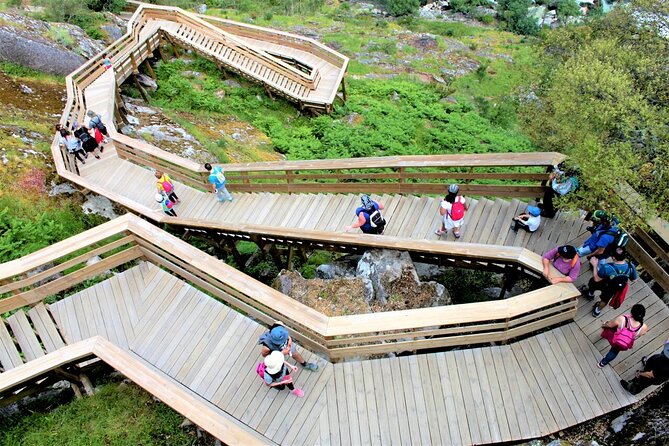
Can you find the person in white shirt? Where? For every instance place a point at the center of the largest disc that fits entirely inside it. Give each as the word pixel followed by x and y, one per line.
pixel 528 221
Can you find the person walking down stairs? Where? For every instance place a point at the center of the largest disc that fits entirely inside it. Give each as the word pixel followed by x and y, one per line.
pixel 452 211
pixel 622 331
pixel 217 181
pixel 278 339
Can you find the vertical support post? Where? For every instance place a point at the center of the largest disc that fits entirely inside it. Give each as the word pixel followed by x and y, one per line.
pixel 289 179
pixel 401 171
pixel 343 87
pixel 291 255
pixel 239 260
pixel 149 69
pixel 141 89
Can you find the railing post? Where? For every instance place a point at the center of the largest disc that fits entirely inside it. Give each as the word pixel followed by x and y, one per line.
pixel 289 179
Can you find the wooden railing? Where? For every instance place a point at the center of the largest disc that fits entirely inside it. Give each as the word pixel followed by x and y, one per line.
pixel 201 412
pixel 337 337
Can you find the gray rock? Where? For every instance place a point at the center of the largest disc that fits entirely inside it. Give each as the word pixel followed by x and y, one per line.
pixel 37 53
pixel 40 269
pixel 62 188
pixel 619 423
pixel 306 32
pixel 232 83
pixel 96 204
pixel 26 89
pixel 128 130
pixel 284 283
pixel 201 9
pixel 396 96
pixel 93 260
pixel 140 109
pixel 191 74
pixel 428 271
pixel 114 32
pixel 186 423
pixel 132 120
pixel 147 82
pixel 220 94
pixel 639 436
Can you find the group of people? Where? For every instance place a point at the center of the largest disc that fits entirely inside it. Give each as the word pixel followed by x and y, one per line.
pixel 167 197
pixel 84 139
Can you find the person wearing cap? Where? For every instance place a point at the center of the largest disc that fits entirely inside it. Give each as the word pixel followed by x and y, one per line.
pixel 603 235
pixel 565 260
pixel 452 214
pixel 277 373
pixel 606 277
pixel 528 221
pixel 166 205
pixel 278 339
pixel 366 213
pixel 655 372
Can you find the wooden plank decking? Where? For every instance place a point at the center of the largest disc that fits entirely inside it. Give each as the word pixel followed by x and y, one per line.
pixel 526 389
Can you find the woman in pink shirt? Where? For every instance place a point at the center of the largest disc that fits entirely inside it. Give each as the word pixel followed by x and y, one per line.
pixel 564 259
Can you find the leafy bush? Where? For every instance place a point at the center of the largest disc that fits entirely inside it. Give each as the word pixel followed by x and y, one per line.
pixel 514 17
pixel 402 7
pixel 567 8
pixel 114 6
pixel 467 6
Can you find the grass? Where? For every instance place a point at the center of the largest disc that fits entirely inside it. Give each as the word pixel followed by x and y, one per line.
pixel 117 415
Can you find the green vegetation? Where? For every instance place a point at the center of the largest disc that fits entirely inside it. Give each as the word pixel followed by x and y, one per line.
pixel 605 103
pixel 514 17
pixel 117 415
pixel 29 225
pixel 402 7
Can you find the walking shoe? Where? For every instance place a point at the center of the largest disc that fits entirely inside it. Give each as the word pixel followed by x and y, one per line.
pixel 310 366
pixel 102 149
pixel 106 141
pixel 230 199
pixel 596 311
pixel 439 232
pixel 297 392
pixel 625 385
pixel 513 227
pixel 601 364
pixel 97 157
pixel 586 293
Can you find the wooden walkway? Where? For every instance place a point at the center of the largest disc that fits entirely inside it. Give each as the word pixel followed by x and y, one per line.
pixel 523 390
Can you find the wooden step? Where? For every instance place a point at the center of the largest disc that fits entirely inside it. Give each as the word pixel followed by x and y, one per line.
pixel 25 335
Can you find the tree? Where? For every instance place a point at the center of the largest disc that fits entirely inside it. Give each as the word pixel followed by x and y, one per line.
pixel 566 9
pixel 402 7
pixel 514 17
pixel 604 101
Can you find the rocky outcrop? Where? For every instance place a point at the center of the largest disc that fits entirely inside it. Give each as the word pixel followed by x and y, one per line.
pixel 31 43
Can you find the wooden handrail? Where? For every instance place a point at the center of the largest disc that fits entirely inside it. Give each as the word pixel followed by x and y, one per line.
pixel 335 336
pixel 201 412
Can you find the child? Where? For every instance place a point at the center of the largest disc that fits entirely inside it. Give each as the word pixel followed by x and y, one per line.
pixel 528 221
pixel 165 186
pixel 452 211
pixel 277 373
pixel 166 205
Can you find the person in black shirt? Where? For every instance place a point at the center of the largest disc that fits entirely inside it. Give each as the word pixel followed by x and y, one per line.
pixel 655 371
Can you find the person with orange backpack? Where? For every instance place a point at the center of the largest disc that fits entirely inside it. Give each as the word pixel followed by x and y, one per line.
pixel 565 259
pixel 452 211
pixel 165 186
pixel 622 331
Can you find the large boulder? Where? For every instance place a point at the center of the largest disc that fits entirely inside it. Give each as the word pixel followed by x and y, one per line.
pixel 391 277
pixel 56 48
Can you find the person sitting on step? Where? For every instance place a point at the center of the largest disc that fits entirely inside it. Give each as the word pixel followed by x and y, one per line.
pixel 528 221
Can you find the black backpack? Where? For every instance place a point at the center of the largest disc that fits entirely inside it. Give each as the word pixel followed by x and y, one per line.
pixel 375 218
pixel 620 239
pixel 617 281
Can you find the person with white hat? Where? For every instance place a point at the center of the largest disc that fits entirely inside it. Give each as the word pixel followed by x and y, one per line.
pixel 165 205
pixel 278 339
pixel 655 372
pixel 277 373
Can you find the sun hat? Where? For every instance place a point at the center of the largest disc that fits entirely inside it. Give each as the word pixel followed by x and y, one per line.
pixel 273 362
pixel 567 251
pixel 159 198
pixel 533 211
pixel 453 189
pixel 279 335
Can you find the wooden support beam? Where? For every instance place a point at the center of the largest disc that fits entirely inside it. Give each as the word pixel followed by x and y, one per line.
pixel 149 69
pixel 141 89
pixel 232 246
pixel 343 87
pixel 291 255
pixel 160 53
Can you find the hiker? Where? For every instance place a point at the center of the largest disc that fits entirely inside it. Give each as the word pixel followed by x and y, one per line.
pixel 278 339
pixel 277 371
pixel 452 211
pixel 565 260
pixel 560 183
pixel 610 278
pixel 622 331
pixel 370 220
pixel 88 142
pixel 105 61
pixel 655 372
pixel 595 246
pixel 96 123
pixel 166 205
pixel 73 145
pixel 217 180
pixel 528 221
pixel 165 186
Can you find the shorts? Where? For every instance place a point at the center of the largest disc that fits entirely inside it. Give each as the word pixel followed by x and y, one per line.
pixel 450 224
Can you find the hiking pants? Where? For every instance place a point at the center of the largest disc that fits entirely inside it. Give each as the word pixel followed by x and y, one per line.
pixel 222 193
pixel 519 224
pixel 610 356
pixel 607 293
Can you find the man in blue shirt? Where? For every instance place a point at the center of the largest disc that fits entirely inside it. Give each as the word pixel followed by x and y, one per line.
pixel 595 246
pixel 369 216
pixel 610 278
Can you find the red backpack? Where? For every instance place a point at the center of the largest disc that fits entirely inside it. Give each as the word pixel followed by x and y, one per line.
pixel 457 209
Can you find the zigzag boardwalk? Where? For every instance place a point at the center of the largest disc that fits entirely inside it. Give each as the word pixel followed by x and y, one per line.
pixel 523 390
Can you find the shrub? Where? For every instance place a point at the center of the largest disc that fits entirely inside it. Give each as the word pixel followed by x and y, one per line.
pixel 402 7
pixel 514 16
